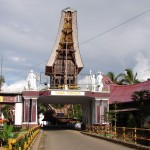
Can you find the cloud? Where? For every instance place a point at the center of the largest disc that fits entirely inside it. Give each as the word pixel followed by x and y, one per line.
pixel 142 66
pixel 28 30
pixel 84 82
pixel 16 58
pixel 14 88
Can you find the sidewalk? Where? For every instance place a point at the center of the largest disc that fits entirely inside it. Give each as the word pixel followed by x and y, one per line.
pixel 36 143
pixel 117 141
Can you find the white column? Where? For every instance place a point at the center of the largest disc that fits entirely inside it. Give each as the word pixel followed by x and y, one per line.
pixel 18 113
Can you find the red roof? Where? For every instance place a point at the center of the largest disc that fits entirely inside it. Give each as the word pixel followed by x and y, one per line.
pixel 122 93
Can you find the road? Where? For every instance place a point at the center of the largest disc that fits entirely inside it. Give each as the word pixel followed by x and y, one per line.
pixel 74 140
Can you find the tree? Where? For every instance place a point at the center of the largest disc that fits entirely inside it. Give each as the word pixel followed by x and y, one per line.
pixel 124 78
pixel 131 121
pixel 41 108
pixel 76 111
pixel 7 111
pixel 141 100
pixel 112 114
pixel 2 81
pixel 129 77
pixel 114 78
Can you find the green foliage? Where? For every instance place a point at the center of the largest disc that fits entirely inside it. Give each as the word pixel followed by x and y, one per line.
pixel 7 111
pixel 23 129
pixel 112 114
pixel 41 107
pixel 6 133
pixel 115 79
pixel 124 78
pixel 76 112
pixel 141 100
pixel 131 121
pixel 129 77
pixel 57 106
pixel 2 81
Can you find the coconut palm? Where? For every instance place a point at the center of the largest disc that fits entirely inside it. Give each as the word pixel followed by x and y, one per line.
pixel 129 77
pixel 115 79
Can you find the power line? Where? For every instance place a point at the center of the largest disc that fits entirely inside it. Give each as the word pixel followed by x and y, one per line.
pixel 143 75
pixel 144 71
pixel 115 27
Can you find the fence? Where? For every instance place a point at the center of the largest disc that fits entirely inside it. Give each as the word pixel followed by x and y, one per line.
pixel 83 82
pixel 23 140
pixel 134 135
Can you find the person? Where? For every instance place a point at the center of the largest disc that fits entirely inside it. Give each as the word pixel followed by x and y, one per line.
pixel 93 81
pixel 100 82
pixel 41 117
pixel 31 81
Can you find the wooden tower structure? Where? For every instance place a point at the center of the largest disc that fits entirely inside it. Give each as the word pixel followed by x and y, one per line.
pixel 65 61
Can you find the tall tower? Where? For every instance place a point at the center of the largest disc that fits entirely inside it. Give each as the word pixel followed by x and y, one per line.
pixel 65 61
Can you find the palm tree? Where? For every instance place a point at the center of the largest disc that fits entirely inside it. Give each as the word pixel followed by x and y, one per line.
pixel 115 79
pixel 129 77
pixel 2 80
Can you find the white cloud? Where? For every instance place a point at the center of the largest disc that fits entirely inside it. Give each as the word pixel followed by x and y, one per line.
pixel 142 67
pixel 29 30
pixel 16 58
pixel 84 82
pixel 16 87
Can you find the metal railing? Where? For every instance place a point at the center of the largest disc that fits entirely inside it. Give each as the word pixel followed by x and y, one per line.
pixel 133 135
pixel 83 82
pixel 23 141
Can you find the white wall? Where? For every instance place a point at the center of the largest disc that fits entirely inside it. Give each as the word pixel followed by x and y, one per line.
pixel 18 113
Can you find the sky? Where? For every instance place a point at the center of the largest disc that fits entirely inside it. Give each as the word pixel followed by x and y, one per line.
pixel 113 35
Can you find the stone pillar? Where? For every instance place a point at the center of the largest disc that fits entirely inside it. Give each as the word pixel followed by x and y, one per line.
pixel 102 107
pixel 98 111
pixel 26 104
pixel 87 113
pixel 30 112
pixel 34 111
pixel 93 111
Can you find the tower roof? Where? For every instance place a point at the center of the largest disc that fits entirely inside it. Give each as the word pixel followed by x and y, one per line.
pixel 69 9
pixel 74 31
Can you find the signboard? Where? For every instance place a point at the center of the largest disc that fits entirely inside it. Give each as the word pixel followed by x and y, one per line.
pixel 8 99
pixel 1 98
pixel 69 93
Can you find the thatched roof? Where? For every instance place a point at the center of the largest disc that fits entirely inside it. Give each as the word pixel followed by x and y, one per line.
pixel 58 38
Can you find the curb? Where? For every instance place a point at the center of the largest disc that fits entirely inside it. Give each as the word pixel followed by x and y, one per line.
pixel 36 142
pixel 128 144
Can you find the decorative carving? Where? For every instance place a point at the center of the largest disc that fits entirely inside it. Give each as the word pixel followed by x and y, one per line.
pixel 65 61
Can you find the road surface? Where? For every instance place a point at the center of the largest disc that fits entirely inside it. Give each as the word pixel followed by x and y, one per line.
pixel 74 140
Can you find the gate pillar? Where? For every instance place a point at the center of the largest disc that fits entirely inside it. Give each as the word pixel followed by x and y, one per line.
pixel 29 112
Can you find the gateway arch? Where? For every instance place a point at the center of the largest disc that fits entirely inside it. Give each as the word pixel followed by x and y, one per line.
pixel 63 68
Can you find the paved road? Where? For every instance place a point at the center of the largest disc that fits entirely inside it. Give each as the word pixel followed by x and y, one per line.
pixel 74 140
